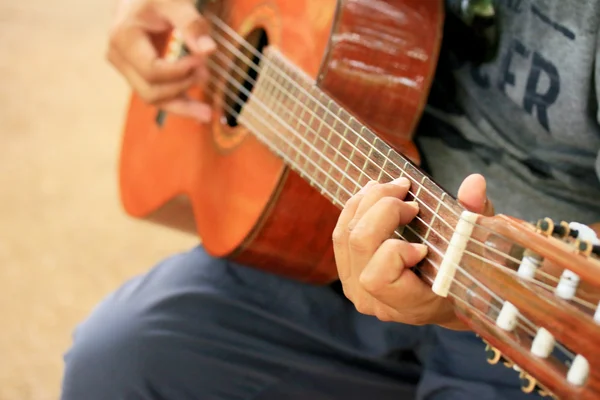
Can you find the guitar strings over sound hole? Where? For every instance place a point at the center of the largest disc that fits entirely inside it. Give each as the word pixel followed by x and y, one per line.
pixel 244 74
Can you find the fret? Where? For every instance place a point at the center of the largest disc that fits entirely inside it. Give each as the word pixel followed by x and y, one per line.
pixel 309 125
pixel 375 168
pixel 346 175
pixel 298 125
pixel 327 142
pixel 279 123
pixel 305 141
pixel 337 192
pixel 315 141
pixel 420 187
pixel 341 138
pixel 290 104
pixel 349 158
pixel 268 99
pixel 270 88
pixel 366 163
pixel 385 161
pixel 435 214
pixel 259 93
pixel 319 98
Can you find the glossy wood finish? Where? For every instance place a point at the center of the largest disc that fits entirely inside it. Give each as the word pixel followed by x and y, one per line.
pixel 381 64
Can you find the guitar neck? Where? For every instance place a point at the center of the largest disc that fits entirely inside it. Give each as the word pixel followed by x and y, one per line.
pixel 335 152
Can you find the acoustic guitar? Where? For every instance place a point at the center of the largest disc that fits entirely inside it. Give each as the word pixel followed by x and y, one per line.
pixel 313 99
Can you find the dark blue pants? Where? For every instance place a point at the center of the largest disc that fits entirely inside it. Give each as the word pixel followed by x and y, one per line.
pixel 195 327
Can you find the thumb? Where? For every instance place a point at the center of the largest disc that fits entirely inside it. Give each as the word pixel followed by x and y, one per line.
pixel 472 195
pixel 185 18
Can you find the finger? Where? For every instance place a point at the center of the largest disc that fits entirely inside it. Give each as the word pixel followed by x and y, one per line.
pixel 194 28
pixel 167 97
pixel 188 108
pixel 388 279
pixel 137 83
pixel 151 93
pixel 136 48
pixel 397 188
pixel 472 195
pixel 340 233
pixel 389 262
pixel 377 225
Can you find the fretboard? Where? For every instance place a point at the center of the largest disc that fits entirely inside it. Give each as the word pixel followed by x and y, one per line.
pixel 335 152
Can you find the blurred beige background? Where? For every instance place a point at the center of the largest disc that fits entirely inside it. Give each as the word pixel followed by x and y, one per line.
pixel 64 240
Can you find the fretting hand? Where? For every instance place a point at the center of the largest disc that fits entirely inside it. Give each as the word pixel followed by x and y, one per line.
pixel 374 269
pixel 132 50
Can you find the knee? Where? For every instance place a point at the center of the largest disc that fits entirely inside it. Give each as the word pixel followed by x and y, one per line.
pixel 106 359
pixel 114 350
pixel 138 340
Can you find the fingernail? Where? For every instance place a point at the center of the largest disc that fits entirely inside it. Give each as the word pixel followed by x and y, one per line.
pixel 368 185
pixel 421 248
pixel 404 182
pixel 206 44
pixel 413 204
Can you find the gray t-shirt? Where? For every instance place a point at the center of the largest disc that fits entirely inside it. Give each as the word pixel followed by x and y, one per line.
pixel 529 119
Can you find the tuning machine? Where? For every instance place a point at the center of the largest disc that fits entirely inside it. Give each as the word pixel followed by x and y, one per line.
pixel 582 236
pixel 528 383
pixel 494 356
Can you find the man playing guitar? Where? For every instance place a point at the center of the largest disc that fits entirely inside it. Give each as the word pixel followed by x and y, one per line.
pixel 197 327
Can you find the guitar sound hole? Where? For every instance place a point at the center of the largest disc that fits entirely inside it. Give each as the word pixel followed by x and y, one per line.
pixel 244 75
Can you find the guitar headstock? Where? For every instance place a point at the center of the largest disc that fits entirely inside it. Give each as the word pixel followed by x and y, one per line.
pixel 532 292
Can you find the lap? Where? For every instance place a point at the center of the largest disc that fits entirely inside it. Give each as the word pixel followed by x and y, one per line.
pixel 199 327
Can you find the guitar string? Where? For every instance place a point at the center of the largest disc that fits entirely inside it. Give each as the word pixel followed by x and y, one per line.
pixel 506 256
pixel 244 75
pixel 460 269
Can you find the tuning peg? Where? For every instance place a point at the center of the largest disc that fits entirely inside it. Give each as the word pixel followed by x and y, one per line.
pixel 528 382
pixel 545 226
pixel 584 247
pixel 587 241
pixel 493 355
pixel 587 248
pixel 529 385
pixel 563 229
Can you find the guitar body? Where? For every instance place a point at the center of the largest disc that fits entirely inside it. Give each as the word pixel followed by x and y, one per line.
pixel 375 57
